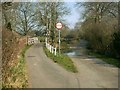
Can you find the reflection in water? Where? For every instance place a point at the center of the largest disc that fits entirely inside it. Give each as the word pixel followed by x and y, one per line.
pixel 78 50
pixel 80 54
pixel 74 53
pixel 71 53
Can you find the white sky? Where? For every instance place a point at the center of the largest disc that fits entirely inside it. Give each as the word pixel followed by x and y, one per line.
pixel 74 16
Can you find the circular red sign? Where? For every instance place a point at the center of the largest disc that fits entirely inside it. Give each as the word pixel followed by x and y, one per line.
pixel 59 25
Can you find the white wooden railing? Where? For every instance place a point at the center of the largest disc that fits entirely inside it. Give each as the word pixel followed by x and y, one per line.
pixel 32 40
pixel 50 48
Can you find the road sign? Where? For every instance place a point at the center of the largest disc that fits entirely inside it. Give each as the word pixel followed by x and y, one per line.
pixel 59 25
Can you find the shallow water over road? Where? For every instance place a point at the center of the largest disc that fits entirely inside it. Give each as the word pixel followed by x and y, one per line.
pixel 78 50
pixel 93 72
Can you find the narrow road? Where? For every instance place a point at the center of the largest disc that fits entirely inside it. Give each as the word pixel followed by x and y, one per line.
pixel 44 73
pixel 93 72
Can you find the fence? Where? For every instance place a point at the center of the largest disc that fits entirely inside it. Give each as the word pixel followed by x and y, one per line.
pixel 51 48
pixel 32 40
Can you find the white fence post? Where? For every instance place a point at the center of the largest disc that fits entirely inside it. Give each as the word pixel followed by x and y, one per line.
pixel 55 51
pixel 52 49
pixel 49 47
pixel 46 45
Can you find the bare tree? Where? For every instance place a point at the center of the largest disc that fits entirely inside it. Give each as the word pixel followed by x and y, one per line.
pixel 26 20
pixel 49 14
pixel 100 22
pixel 99 10
pixel 7 10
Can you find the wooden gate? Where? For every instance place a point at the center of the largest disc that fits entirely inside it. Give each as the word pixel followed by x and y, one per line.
pixel 32 40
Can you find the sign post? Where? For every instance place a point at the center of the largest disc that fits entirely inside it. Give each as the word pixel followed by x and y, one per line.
pixel 59 27
pixel 59 41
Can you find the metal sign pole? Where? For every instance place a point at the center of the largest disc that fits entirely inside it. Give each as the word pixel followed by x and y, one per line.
pixel 59 42
pixel 59 27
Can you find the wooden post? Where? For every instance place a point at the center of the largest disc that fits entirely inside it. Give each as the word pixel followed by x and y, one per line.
pixel 50 48
pixel 55 51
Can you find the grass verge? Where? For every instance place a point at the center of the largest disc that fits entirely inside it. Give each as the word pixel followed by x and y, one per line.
pixel 63 60
pixel 109 60
pixel 18 78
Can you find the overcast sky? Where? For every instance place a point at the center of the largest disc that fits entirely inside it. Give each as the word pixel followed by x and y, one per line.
pixel 73 17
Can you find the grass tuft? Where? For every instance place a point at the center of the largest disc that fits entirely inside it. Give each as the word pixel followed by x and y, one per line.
pixel 18 78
